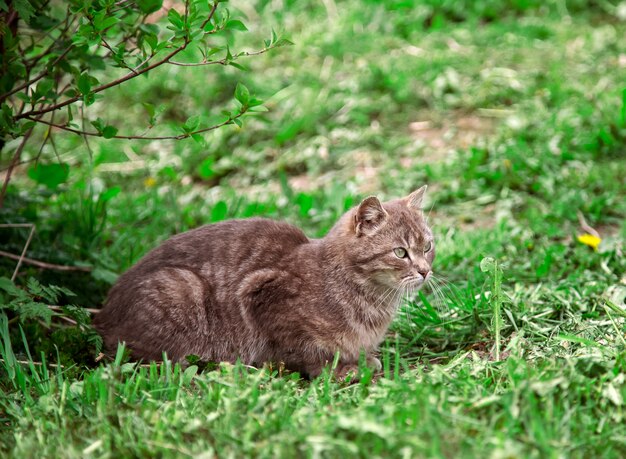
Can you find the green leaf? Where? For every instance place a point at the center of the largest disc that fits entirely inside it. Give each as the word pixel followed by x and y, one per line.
pixel 258 109
pixel 109 132
pixel 44 87
pixel 8 286
pixel 32 310
pixel 25 126
pixel 24 9
pixel 175 19
pixel 104 275
pixel 110 193
pixel 79 314
pixel 213 51
pixel 152 40
pixel 236 24
pixel 205 169
pixel 487 265
pixel 199 139
pixel 98 124
pixel 149 108
pixel 191 124
pixel 254 102
pixel 219 211
pixel 189 374
pixel 242 94
pixel 89 99
pixel 578 339
pixel 50 175
pixel 149 6
pixel 102 21
pixel 36 289
pixel 238 66
pixel 154 112
pixel 84 84
pixel 282 42
pixel 305 201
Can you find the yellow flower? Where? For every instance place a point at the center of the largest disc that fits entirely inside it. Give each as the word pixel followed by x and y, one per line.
pixel 149 182
pixel 590 240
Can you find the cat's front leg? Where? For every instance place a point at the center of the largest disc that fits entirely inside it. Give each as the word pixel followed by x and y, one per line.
pixel 350 370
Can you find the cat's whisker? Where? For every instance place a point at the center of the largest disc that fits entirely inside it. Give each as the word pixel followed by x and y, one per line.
pixel 443 282
pixel 439 302
pixel 383 298
pixel 398 296
pixel 450 291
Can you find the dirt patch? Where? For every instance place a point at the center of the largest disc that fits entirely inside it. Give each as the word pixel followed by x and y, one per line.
pixel 483 218
pixel 440 139
pixel 361 169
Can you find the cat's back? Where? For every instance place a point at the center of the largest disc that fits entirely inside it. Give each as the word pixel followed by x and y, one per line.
pixel 180 296
pixel 232 243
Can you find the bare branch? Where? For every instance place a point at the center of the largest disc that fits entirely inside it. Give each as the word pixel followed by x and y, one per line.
pixel 21 257
pixel 60 308
pixel 32 362
pixel 43 264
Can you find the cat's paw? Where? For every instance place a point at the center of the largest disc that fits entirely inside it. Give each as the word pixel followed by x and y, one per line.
pixel 348 372
pixel 374 363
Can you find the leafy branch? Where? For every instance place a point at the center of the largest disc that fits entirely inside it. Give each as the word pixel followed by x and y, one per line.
pixel 53 57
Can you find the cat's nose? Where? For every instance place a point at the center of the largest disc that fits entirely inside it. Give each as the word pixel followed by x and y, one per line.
pixel 424 273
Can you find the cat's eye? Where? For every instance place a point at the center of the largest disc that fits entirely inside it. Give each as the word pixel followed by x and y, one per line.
pixel 428 246
pixel 400 252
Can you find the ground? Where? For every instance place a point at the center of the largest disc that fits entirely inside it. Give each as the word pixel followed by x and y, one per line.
pixel 512 113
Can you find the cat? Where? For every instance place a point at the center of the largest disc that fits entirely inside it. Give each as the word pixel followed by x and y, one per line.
pixel 260 291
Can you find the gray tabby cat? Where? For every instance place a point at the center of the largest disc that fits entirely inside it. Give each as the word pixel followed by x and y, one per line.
pixel 260 290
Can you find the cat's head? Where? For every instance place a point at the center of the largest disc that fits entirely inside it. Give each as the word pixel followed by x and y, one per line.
pixel 389 244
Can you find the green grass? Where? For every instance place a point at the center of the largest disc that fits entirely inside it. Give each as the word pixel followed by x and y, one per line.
pixel 512 113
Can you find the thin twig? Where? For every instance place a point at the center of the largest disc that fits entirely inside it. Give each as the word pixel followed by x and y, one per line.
pixel 31 362
pixel 21 258
pixel 60 308
pixel 85 138
pixel 139 137
pixel 69 320
pixel 14 161
pixel 43 264
pixel 224 61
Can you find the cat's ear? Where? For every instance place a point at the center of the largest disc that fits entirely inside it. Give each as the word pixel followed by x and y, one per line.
pixel 414 200
pixel 369 216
